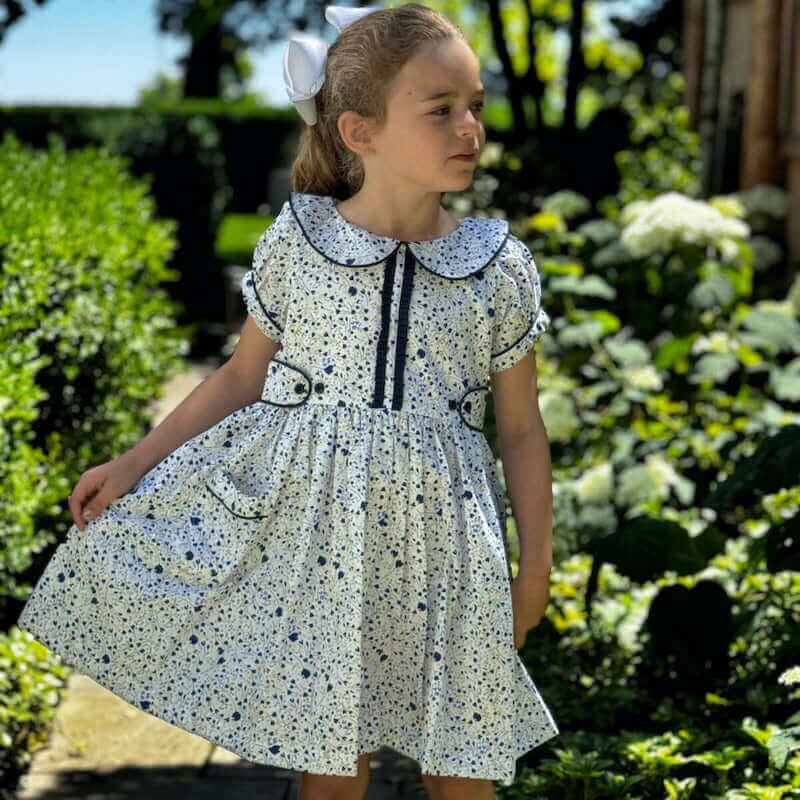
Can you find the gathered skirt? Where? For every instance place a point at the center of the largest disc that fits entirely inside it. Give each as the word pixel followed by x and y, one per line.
pixel 304 585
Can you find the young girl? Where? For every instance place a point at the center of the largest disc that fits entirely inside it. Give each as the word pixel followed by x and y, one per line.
pixel 306 560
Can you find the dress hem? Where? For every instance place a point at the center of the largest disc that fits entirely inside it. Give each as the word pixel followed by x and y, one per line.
pixel 78 664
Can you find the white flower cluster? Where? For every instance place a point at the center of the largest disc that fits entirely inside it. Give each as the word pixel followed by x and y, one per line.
pixel 596 485
pixel 634 485
pixel 647 481
pixel 491 154
pixel 559 415
pixel 644 377
pixel 789 676
pixel 715 342
pixel 659 224
pixel 485 183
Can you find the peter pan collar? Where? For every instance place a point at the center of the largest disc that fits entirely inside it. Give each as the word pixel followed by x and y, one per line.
pixel 469 248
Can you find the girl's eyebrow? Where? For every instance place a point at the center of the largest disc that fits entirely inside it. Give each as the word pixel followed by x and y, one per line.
pixel 445 93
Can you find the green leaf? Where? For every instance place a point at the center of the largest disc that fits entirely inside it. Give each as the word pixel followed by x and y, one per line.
pixel 714 367
pixel 645 548
pixel 630 353
pixel 775 465
pixel 785 381
pixel 588 286
pixel 772 330
pixel 716 291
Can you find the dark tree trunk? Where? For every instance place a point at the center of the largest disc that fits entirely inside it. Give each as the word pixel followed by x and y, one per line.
pixel 532 81
pixel 520 124
pixel 576 70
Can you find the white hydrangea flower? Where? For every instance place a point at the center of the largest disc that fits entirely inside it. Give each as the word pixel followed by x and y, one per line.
pixel 662 468
pixel 632 210
pixel 636 485
pixel 643 376
pixel 462 205
pixel 647 481
pixel 491 153
pixel 673 217
pixel 729 249
pixel 715 342
pixel 790 676
pixel 558 415
pixel 596 485
pixel 485 183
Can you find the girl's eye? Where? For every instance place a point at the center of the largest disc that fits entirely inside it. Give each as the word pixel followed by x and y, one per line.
pixel 478 103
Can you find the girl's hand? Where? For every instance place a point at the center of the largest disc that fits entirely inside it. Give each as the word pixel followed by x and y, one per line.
pixel 530 594
pixel 99 486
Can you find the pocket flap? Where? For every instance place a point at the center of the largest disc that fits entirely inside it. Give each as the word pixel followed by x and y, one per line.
pixel 285 384
pixel 472 407
pixel 239 498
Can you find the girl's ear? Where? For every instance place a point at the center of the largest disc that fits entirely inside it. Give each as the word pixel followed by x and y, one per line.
pixel 356 132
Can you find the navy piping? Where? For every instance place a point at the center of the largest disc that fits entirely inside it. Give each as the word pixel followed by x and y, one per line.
pixel 306 377
pixel 386 313
pixel 468 274
pixel 527 331
pixel 230 510
pixel 402 329
pixel 333 260
pixel 397 247
pixel 461 404
pixel 270 315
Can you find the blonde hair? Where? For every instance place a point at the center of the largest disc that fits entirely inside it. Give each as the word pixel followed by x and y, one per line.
pixel 361 63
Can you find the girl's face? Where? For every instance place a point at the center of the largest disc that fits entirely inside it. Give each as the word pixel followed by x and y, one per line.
pixel 424 132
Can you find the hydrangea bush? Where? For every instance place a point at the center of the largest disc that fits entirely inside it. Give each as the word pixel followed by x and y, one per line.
pixel 669 387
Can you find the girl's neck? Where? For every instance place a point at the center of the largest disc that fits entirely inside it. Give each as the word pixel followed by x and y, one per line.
pixel 397 216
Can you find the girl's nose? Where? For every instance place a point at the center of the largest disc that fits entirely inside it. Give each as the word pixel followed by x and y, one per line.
pixel 470 123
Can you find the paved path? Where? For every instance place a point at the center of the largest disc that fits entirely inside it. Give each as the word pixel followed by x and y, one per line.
pixel 102 748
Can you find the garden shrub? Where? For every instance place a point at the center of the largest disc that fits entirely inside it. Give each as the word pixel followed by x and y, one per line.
pixel 88 338
pixel 669 387
pixel 32 681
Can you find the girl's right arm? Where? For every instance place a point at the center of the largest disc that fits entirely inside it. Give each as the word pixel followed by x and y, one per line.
pixel 237 383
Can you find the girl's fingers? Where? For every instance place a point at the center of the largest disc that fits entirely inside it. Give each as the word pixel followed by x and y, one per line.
pixel 84 491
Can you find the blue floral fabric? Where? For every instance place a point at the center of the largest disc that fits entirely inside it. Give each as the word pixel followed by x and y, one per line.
pixel 325 570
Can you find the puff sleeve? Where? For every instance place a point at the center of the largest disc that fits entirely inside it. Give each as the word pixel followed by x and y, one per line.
pixel 519 318
pixel 265 285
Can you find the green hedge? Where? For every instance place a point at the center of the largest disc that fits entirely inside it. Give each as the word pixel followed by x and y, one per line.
pixel 32 681
pixel 201 160
pixel 87 337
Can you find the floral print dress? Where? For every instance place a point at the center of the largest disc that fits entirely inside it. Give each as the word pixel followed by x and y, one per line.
pixel 325 570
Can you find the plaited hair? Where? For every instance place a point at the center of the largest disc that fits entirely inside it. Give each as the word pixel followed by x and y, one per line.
pixel 361 64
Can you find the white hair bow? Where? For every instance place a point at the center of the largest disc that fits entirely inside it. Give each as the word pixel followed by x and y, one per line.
pixel 306 55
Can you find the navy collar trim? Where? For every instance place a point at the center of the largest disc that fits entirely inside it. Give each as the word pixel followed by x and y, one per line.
pixel 468 249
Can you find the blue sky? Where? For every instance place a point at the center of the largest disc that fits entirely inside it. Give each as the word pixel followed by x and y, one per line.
pixel 101 52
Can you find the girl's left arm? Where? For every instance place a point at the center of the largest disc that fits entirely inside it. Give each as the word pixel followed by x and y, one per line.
pixel 525 451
